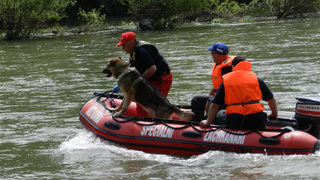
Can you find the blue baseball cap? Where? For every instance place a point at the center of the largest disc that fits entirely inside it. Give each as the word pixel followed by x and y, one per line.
pixel 220 48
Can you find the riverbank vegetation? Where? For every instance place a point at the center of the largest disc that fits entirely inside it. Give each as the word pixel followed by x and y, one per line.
pixel 22 18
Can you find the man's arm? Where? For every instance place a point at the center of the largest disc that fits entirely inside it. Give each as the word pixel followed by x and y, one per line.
pixel 149 72
pixel 214 106
pixel 273 107
pixel 267 95
pixel 213 110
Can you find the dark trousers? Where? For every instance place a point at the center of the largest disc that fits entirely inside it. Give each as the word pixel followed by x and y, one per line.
pixel 255 121
pixel 198 104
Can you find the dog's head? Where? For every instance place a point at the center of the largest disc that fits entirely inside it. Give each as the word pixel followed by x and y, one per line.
pixel 115 67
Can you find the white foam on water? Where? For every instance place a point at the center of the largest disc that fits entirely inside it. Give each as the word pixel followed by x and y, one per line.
pixel 89 142
pixel 85 140
pixel 82 140
pixel 86 148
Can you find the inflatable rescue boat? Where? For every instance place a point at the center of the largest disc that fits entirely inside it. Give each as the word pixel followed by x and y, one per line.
pixel 296 135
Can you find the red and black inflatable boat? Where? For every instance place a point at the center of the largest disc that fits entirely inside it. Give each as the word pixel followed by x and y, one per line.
pixel 185 138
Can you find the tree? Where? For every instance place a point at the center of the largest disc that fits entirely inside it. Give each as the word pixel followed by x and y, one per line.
pixel 227 8
pixel 20 18
pixel 162 14
pixel 93 18
pixel 285 8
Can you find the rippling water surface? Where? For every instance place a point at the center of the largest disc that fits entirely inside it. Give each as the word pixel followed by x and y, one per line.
pixel 45 81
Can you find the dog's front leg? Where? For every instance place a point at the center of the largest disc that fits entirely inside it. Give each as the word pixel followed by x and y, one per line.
pixel 119 107
pixel 125 105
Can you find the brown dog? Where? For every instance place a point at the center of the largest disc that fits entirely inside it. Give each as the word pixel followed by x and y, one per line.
pixel 137 89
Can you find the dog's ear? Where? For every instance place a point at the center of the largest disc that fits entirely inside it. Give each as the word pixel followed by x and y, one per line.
pixel 120 58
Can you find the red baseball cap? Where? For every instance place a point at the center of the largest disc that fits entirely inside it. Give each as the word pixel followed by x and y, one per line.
pixel 125 37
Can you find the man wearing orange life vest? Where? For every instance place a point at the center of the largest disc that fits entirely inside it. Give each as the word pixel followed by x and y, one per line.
pixel 241 91
pixel 221 66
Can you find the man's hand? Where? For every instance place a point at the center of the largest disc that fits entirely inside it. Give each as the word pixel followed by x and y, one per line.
pixel 204 123
pixel 115 89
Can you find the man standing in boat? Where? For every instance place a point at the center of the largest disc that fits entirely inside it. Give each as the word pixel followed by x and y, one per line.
pixel 150 63
pixel 241 90
pixel 222 65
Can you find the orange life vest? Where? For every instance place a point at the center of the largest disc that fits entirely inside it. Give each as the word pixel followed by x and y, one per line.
pixel 242 91
pixel 216 72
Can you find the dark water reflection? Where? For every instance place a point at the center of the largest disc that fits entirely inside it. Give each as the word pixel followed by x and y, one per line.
pixel 45 81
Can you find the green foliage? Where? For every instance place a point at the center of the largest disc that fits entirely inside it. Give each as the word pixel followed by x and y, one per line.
pixel 92 18
pixel 187 6
pixel 159 14
pixel 20 18
pixel 284 8
pixel 227 8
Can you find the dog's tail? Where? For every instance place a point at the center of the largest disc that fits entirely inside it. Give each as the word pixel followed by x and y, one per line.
pixel 183 115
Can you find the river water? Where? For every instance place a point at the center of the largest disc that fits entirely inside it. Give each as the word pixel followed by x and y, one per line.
pixel 45 81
